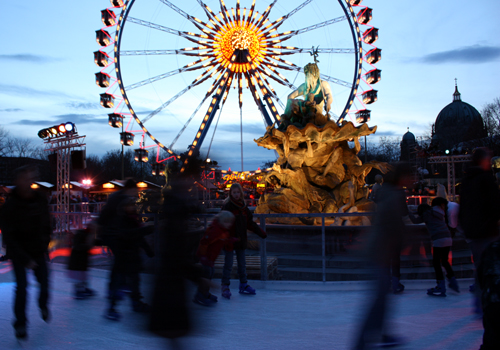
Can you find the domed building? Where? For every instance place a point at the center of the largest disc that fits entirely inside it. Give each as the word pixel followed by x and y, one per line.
pixel 408 144
pixel 457 122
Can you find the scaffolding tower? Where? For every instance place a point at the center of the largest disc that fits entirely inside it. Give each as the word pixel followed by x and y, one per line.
pixel 450 162
pixel 62 147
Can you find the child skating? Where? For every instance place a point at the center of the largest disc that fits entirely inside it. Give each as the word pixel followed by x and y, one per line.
pixel 211 244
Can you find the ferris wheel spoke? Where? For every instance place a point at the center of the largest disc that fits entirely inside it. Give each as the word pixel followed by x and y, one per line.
pixel 277 23
pixel 190 51
pixel 335 81
pixel 224 11
pixel 197 22
pixel 214 105
pixel 266 93
pixel 191 66
pixel 288 50
pixel 210 14
pixel 269 87
pixel 322 76
pixel 188 122
pixel 196 82
pixel 266 13
pixel 280 77
pixel 280 37
pixel 194 37
pixel 256 98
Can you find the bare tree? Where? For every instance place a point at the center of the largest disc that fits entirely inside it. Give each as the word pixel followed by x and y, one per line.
pixel 4 135
pixel 491 117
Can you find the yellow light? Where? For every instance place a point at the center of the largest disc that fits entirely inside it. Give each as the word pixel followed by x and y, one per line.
pixel 34 186
pixel 108 185
pixel 142 184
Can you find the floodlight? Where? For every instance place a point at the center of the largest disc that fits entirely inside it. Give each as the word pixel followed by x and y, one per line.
pixel 69 126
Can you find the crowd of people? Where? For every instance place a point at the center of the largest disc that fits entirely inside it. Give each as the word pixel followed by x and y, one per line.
pixel 26 231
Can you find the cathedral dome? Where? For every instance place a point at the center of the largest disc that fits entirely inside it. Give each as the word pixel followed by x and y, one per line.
pixel 408 137
pixel 457 122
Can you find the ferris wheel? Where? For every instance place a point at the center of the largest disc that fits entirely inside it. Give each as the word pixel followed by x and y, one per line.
pixel 172 70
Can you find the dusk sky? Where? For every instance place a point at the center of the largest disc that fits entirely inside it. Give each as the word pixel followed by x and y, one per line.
pixel 47 68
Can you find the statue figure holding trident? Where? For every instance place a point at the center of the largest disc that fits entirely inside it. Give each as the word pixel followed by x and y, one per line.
pixel 317 97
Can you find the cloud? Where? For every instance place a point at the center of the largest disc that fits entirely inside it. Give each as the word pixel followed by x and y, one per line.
pixel 467 54
pixel 25 91
pixel 11 110
pixel 28 58
pixel 255 128
pixel 83 105
pixel 63 118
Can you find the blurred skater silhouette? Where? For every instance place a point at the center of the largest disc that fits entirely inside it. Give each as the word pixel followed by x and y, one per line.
pixel 25 224
pixel 384 243
pixel 124 234
pixel 169 312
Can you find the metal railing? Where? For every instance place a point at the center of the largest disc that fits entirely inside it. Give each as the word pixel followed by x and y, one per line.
pixel 80 220
pixel 263 249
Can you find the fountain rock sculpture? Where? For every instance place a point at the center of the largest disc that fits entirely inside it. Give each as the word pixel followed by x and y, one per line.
pixel 317 171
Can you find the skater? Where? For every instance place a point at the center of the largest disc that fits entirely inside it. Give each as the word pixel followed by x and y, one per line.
pixel 435 220
pixel 170 316
pixel 384 242
pixel 211 244
pixel 243 222
pixel 127 241
pixel 479 210
pixel 83 241
pixel 25 225
pixel 488 275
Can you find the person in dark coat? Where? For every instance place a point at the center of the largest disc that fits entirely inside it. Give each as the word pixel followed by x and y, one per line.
pixel 78 262
pixel 488 276
pixel 169 312
pixel 479 209
pixel 435 221
pixel 127 265
pixel 25 224
pixel 384 242
pixel 243 222
pixel 121 232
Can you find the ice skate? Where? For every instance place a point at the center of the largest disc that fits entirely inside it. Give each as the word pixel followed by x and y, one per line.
pixel 438 291
pixel 246 289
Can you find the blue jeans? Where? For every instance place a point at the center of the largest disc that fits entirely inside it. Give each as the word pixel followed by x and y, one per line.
pixel 228 266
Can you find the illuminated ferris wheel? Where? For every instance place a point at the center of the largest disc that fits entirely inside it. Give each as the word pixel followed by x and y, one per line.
pixel 171 71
